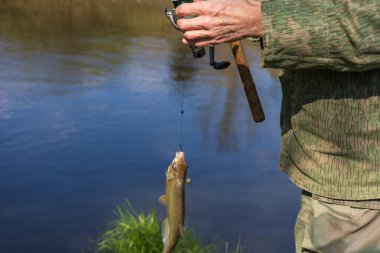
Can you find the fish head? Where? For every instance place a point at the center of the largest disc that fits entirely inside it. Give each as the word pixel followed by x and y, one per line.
pixel 178 167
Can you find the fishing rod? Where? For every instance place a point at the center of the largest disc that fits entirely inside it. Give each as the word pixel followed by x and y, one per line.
pixel 240 60
pixel 247 80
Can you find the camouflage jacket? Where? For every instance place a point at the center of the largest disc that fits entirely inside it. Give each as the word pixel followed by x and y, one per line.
pixel 330 122
pixel 341 35
pixel 330 115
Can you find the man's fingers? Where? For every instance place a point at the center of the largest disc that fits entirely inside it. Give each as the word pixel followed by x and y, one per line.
pixel 196 8
pixel 197 23
pixel 204 43
pixel 197 35
pixel 199 43
pixel 184 41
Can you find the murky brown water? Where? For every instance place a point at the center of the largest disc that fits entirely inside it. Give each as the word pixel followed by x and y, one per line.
pixel 90 100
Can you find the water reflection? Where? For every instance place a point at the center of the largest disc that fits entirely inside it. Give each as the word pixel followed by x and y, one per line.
pixel 182 66
pixel 67 37
pixel 90 99
pixel 46 24
pixel 227 137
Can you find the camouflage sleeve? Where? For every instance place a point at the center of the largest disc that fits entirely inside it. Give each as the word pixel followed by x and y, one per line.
pixel 341 35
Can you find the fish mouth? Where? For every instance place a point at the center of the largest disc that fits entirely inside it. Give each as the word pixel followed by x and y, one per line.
pixel 180 155
pixel 180 158
pixel 179 163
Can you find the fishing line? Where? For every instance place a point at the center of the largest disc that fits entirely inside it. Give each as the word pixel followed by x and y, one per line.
pixel 182 112
pixel 182 88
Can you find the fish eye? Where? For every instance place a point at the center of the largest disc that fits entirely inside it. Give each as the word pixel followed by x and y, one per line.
pixel 174 166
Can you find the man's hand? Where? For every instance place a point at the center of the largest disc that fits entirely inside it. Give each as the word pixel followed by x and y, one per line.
pixel 219 21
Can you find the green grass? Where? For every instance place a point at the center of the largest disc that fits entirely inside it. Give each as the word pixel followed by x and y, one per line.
pixel 136 232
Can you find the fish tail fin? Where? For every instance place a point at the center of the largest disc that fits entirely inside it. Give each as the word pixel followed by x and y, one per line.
pixel 182 233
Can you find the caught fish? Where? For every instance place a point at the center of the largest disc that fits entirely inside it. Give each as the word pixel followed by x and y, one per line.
pixel 174 199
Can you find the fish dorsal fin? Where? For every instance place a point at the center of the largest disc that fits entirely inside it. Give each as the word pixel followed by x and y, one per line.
pixel 163 199
pixel 165 230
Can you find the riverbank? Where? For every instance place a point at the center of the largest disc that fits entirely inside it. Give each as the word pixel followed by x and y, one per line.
pixel 77 17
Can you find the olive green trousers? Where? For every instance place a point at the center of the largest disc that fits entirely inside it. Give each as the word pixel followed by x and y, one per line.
pixel 331 228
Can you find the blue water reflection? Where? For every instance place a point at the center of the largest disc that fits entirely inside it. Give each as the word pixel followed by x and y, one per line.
pixel 82 130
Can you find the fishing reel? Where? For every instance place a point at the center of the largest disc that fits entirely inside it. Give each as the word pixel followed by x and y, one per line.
pixel 198 52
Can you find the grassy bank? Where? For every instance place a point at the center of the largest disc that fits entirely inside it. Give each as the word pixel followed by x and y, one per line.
pixel 136 232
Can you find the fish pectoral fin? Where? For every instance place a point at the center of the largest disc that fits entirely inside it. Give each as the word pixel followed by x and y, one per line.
pixel 163 199
pixel 165 230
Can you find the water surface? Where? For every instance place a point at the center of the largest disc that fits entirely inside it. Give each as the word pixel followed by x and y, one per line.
pixel 90 101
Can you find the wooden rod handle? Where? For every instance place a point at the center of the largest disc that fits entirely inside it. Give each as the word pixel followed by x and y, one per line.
pixel 248 84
